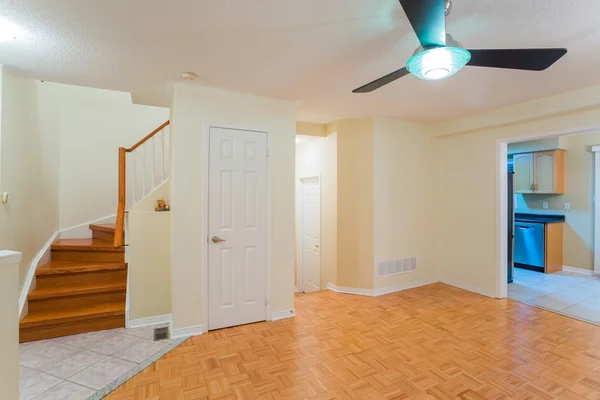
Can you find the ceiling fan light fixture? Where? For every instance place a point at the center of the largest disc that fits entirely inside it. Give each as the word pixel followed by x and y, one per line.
pixel 438 63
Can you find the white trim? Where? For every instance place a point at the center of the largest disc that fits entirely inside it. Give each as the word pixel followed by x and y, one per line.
pixel 299 197
pixel 31 271
pixel 186 332
pixel 581 271
pixel 205 234
pixel 149 321
pixel 8 257
pixel 470 288
pixel 278 315
pixel 82 231
pixel 380 291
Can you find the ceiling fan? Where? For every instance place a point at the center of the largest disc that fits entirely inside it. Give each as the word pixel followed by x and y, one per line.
pixel 441 56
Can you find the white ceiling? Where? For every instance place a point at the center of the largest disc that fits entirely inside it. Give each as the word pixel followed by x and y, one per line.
pixel 314 52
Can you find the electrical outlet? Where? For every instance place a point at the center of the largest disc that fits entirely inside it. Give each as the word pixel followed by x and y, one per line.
pixel 545 204
pixel 567 206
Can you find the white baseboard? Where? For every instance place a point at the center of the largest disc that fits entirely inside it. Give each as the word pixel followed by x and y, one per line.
pixel 42 255
pixel 581 271
pixel 185 332
pixel 82 231
pixel 380 291
pixel 149 321
pixel 277 315
pixel 470 288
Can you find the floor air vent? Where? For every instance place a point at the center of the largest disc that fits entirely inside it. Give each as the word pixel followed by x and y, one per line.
pixel 396 267
pixel 161 333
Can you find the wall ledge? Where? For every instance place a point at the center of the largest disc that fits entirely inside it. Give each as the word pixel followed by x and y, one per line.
pixel 8 257
pixel 380 291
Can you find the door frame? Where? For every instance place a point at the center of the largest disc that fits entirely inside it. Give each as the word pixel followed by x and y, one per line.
pixel 205 207
pixel 299 239
pixel 502 201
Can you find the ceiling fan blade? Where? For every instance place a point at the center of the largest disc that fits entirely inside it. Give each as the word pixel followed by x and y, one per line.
pixel 376 84
pixel 525 59
pixel 428 19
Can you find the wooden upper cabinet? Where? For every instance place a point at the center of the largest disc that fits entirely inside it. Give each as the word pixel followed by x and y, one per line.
pixel 523 165
pixel 540 172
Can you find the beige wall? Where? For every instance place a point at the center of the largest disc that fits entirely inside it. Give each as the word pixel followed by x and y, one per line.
pixel 149 257
pixel 355 203
pixel 311 129
pixel 538 145
pixel 28 170
pixel 578 245
pixel 93 124
pixel 469 176
pixel 405 184
pixel 318 157
pixel 9 331
pixel 192 108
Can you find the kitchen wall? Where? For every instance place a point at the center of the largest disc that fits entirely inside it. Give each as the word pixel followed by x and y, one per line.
pixel 469 176
pixel 318 157
pixel 578 246
pixel 192 108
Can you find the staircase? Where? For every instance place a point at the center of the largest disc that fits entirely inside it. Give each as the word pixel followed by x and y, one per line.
pixel 82 289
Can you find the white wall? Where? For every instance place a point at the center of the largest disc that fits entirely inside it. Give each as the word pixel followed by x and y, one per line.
pixel 318 157
pixel 192 109
pixel 9 328
pixel 93 124
pixel 28 170
pixel 405 184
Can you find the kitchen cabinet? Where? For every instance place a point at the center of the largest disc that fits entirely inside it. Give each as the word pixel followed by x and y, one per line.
pixel 540 172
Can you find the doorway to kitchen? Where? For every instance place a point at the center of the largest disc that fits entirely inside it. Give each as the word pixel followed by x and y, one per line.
pixel 550 224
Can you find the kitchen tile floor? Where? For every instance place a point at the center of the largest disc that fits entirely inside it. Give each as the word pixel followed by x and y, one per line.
pixel 78 367
pixel 568 293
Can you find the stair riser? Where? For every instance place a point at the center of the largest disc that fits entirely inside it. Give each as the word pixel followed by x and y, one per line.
pixel 71 328
pixel 70 280
pixel 95 256
pixel 76 302
pixel 104 236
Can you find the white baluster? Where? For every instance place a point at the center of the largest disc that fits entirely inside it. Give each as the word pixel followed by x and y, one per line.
pixel 133 179
pixel 162 152
pixel 144 173
pixel 153 163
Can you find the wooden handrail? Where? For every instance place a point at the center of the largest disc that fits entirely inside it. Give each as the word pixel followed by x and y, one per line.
pixel 120 224
pixel 145 139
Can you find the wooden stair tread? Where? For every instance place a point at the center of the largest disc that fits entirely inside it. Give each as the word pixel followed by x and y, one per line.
pixel 74 267
pixel 63 316
pixel 85 245
pixel 110 228
pixel 82 289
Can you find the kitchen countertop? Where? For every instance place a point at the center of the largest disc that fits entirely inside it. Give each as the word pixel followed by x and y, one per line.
pixel 539 218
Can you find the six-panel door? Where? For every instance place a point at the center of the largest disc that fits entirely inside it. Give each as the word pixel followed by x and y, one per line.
pixel 237 227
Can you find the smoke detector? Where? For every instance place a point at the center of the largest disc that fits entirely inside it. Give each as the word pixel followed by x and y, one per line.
pixel 189 76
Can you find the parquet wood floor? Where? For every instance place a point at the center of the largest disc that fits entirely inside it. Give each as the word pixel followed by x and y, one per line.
pixel 432 342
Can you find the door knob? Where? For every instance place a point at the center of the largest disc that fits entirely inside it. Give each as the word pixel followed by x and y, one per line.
pixel 217 239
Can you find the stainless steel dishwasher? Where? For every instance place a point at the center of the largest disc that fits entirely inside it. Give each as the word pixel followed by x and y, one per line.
pixel 529 244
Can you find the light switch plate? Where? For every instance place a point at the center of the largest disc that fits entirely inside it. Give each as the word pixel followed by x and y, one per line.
pixel 567 206
pixel 545 204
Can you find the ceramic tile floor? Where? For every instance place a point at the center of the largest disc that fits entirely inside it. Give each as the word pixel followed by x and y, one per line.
pixel 77 367
pixel 571 294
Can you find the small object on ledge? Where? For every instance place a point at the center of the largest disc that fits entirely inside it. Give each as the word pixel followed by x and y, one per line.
pixel 161 205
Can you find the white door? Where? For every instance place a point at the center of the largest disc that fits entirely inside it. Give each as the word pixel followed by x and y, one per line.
pixel 311 235
pixel 237 225
pixel 523 165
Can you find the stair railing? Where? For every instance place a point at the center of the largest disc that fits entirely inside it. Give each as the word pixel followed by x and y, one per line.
pixel 148 172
